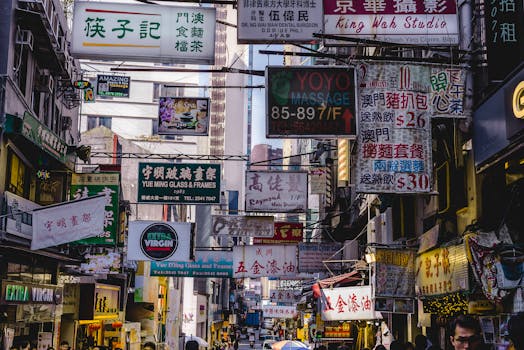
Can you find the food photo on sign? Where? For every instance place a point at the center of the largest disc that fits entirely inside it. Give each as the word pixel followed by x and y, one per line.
pixel 183 116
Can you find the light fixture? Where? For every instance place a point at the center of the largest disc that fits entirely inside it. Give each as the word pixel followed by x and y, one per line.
pixel 370 258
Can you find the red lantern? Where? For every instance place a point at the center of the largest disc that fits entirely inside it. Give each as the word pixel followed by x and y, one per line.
pixel 316 291
pixel 116 324
pixel 94 326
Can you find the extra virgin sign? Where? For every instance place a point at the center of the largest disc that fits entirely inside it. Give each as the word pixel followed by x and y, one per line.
pixel 310 101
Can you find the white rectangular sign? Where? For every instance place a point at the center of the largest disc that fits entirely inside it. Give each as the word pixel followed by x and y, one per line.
pixel 348 303
pixel 264 261
pixel 243 226
pixel 286 21
pixel 394 142
pixel 19 222
pixel 416 22
pixel 168 34
pixel 288 296
pixel 276 191
pixel 68 222
pixel 279 311
pixel 159 241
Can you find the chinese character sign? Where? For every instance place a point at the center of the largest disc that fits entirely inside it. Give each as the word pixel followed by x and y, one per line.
pixel 311 255
pixel 503 28
pixel 107 184
pixel 243 226
pixel 279 311
pixel 441 271
pixel 276 191
pixel 288 296
pixel 310 101
pixel 278 21
pixel 179 183
pixel 347 303
pixel 394 143
pixel 394 273
pixel 144 32
pixel 67 222
pixel 285 233
pixel 423 22
pixel 264 261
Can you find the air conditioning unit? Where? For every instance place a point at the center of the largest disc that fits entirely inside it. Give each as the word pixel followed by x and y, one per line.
pixel 375 230
pixel 386 223
pixel 25 38
pixel 47 83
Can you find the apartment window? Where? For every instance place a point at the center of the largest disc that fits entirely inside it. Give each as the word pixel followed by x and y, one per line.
pixel 93 122
pixel 20 67
pixel 18 179
pixel 27 273
pixel 159 90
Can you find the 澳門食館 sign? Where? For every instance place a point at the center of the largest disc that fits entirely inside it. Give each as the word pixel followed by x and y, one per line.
pixel 306 101
pixel 156 33
pixel 396 105
pixel 179 183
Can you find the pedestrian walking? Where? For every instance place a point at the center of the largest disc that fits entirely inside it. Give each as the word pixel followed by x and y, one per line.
pixel 465 333
pixel 516 330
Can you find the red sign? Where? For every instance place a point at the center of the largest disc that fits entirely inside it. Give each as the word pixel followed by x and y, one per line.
pixel 285 232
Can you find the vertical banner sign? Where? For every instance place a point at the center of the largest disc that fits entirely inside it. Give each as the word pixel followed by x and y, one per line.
pixel 276 191
pixel 503 30
pixel 318 181
pixel 108 184
pixel 290 21
pixel 310 102
pixel 179 183
pixel 264 261
pixel 88 95
pixel 415 22
pixel 394 273
pixel 396 104
pixel 347 303
pixel 145 33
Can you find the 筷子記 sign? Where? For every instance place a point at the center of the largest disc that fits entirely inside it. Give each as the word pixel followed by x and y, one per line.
pixel 146 33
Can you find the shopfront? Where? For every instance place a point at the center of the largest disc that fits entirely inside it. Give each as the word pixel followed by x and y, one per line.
pixel 442 285
pixel 99 317
pixel 29 311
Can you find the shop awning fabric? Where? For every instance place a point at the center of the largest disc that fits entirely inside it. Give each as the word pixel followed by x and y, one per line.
pixel 344 278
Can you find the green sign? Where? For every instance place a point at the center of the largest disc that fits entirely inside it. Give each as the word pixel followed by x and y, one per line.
pixel 179 183
pixel 39 134
pixel 108 184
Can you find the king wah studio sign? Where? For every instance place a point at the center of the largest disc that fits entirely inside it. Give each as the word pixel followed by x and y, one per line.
pixel 26 293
